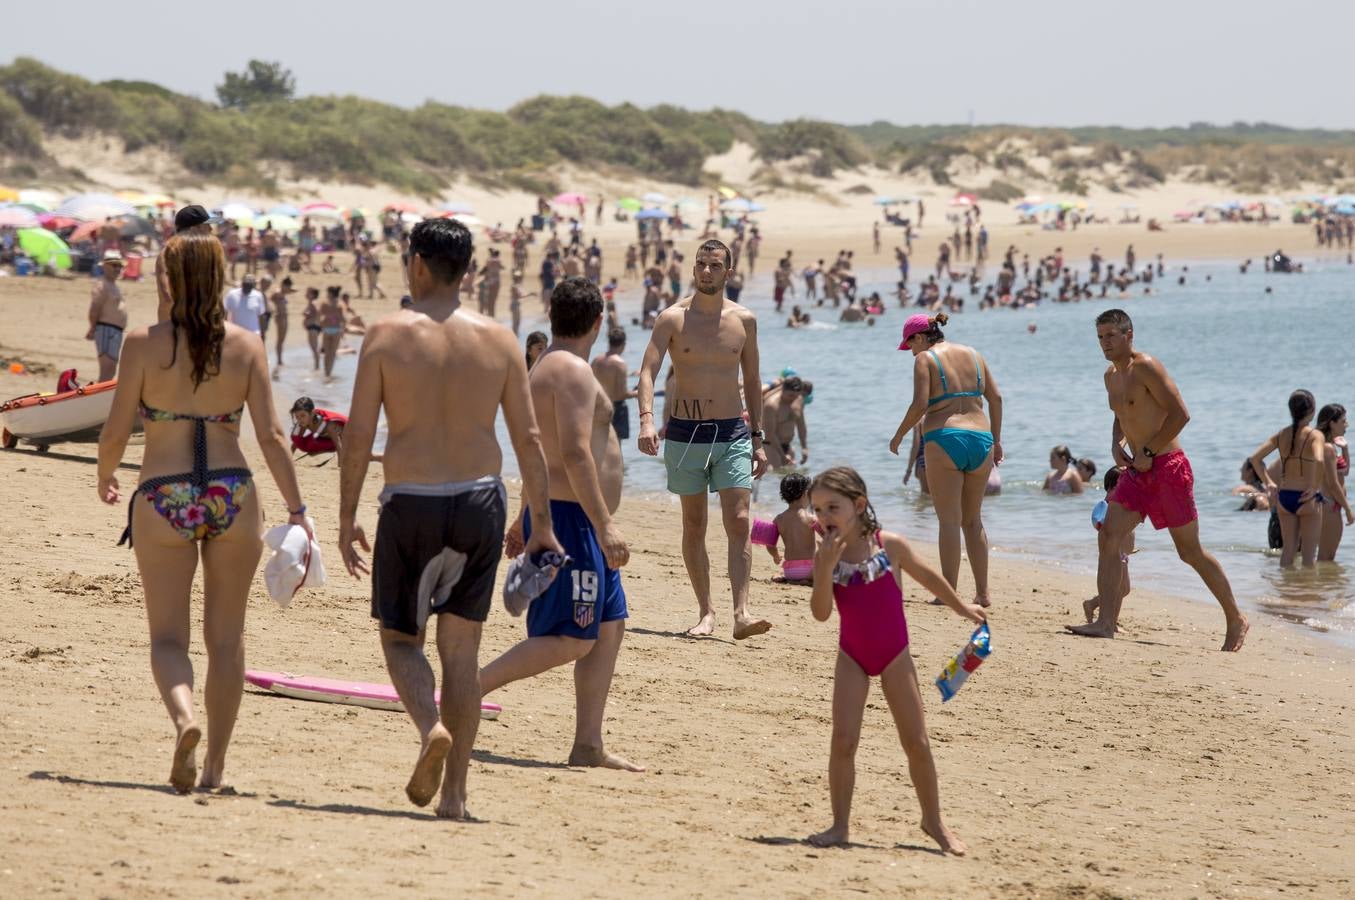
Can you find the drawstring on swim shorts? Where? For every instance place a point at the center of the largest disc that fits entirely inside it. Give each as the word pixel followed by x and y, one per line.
pixel 713 441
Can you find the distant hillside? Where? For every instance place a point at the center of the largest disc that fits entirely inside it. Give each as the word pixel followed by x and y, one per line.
pixel 259 131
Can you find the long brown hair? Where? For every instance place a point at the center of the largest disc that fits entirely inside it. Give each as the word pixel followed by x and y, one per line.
pixel 194 269
pixel 848 482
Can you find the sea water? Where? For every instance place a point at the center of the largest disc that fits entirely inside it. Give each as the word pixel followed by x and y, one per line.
pixel 1235 351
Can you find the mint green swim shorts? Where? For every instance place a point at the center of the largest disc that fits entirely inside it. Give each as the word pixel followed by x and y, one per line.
pixel 708 456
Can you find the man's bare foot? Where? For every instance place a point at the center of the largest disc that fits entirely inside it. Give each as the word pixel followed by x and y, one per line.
pixel 833 837
pixel 946 838
pixel 423 784
pixel 982 600
pixel 704 628
pixel 1237 633
pixel 1095 629
pixel 184 770
pixel 749 627
pixel 453 807
pixel 598 757
pixel 1089 608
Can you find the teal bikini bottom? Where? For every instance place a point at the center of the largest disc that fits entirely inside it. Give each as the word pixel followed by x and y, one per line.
pixel 967 449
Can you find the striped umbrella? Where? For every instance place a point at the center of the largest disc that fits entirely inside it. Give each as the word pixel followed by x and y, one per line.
pixel 92 207
pixel 457 206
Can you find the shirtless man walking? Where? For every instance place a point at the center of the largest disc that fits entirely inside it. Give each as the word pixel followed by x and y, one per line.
pixel 1158 483
pixel 783 416
pixel 612 373
pixel 441 372
pixel 581 618
pixel 708 445
pixel 107 315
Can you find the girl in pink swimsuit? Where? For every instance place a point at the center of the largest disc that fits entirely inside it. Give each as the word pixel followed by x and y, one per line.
pixel 859 568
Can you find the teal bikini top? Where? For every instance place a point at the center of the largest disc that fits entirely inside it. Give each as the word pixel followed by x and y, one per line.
pixel 950 395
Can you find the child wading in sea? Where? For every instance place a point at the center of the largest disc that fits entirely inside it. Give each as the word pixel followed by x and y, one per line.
pixel 860 568
pixel 794 528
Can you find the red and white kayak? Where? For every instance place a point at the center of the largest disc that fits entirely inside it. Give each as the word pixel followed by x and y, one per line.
pixel 44 419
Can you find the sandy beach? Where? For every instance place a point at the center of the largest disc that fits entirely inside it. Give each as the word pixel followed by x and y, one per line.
pixel 1148 766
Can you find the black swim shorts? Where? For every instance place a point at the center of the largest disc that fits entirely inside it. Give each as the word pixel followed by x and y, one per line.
pixel 417 536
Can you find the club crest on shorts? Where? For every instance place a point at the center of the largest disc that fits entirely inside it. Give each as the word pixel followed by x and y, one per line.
pixel 583 614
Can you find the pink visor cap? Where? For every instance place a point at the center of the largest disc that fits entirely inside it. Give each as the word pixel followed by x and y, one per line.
pixel 915 325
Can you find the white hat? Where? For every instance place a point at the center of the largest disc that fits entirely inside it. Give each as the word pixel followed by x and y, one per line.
pixel 113 256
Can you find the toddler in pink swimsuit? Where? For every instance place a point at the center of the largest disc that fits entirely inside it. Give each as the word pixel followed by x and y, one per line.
pixel 794 528
pixel 859 568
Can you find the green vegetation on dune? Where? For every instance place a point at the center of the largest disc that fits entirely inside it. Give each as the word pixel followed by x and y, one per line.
pixel 258 127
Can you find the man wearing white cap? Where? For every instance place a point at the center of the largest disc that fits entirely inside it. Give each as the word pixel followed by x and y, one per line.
pixel 107 315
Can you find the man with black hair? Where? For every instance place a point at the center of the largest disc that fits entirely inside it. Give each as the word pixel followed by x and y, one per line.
pixel 1157 482
pixel 709 446
pixel 441 372
pixel 581 618
pixel 612 373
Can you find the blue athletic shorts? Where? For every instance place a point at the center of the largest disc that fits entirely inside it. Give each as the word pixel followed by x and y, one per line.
pixel 585 593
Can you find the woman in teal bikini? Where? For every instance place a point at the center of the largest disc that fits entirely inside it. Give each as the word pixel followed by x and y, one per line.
pixel 950 383
pixel 189 378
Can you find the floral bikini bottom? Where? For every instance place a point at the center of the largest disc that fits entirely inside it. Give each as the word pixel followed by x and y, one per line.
pixel 199 513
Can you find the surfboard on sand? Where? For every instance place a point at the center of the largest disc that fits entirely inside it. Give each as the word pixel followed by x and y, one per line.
pixel 333 690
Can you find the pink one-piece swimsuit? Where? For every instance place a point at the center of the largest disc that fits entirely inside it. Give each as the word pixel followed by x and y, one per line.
pixel 873 629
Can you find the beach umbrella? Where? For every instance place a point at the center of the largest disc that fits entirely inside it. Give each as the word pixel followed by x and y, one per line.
pixel 279 223
pixel 15 216
pixel 85 231
pixel 656 198
pixel 570 198
pixel 326 214
pixel 468 220
pixel 741 205
pixel 400 206
pixel 964 199
pixel 688 202
pixel 885 201
pixel 629 203
pixel 8 194
pixel 45 200
pixel 1344 209
pixel 284 209
pixel 45 247
pixel 727 192
pixel 135 226
pixel 89 207
pixel 53 222
pixel 456 206
pixel 652 213
pixel 238 213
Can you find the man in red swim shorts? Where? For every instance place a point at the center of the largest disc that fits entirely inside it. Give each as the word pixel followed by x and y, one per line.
pixel 1158 483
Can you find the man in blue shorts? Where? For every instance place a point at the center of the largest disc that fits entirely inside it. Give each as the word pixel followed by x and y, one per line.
pixel 581 618
pixel 709 446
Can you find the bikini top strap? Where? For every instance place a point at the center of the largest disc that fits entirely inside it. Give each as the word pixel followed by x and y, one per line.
pixel 978 369
pixel 940 370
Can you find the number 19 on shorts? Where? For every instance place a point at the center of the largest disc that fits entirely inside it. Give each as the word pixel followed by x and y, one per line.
pixel 585 585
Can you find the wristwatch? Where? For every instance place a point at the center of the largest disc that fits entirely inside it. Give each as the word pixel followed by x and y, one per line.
pixel 759 434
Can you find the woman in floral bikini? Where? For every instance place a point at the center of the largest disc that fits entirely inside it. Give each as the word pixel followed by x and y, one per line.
pixel 189 379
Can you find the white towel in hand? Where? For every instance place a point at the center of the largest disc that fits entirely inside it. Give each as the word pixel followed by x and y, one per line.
pixel 295 563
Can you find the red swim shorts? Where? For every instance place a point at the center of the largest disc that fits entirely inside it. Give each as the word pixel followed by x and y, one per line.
pixel 779 294
pixel 1165 494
